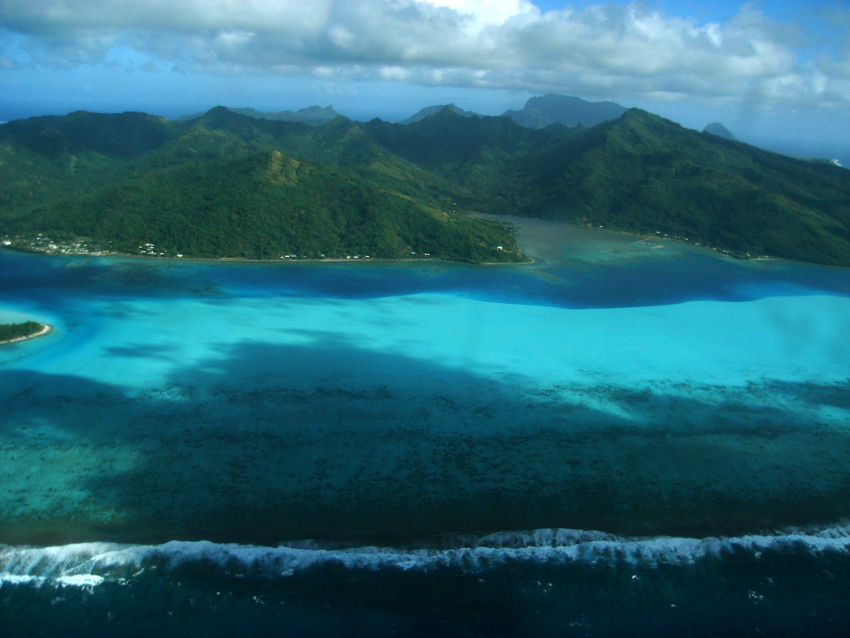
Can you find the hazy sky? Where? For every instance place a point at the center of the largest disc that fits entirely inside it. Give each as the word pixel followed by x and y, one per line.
pixel 764 68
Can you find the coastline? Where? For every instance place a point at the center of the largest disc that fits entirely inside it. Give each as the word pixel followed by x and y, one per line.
pixel 271 261
pixel 661 242
pixel 44 330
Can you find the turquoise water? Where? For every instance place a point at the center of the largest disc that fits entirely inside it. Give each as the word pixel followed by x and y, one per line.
pixel 423 448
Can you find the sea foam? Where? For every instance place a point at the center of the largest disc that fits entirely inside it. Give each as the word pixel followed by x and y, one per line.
pixel 91 564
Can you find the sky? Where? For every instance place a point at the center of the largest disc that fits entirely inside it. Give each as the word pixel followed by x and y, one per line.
pixel 775 69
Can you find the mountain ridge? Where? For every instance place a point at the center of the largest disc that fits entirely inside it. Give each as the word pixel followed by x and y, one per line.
pixel 542 111
pixel 266 205
pixel 431 110
pixel 312 115
pixel 639 173
pixel 716 128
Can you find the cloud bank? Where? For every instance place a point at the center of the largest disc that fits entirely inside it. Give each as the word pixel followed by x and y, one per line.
pixel 598 51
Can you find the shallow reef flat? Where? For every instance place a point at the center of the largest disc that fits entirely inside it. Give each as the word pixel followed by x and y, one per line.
pixel 257 404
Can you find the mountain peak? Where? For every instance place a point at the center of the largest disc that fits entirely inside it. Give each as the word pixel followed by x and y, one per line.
pixel 639 114
pixel 219 114
pixel 312 115
pixel 716 128
pixel 541 111
pixel 438 108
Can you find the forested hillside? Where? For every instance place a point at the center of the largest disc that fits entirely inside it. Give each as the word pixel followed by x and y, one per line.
pixel 227 185
pixel 266 206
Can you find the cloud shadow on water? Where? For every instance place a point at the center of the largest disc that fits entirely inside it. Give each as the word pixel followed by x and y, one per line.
pixel 265 443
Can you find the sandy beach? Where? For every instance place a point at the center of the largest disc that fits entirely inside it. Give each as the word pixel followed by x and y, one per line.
pixel 45 329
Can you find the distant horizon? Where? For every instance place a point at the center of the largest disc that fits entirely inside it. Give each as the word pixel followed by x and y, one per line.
pixel 765 70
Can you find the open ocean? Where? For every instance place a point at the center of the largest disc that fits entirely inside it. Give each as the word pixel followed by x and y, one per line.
pixel 626 438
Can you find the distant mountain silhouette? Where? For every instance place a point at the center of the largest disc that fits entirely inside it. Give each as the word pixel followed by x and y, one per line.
pixel 312 115
pixel 716 128
pixel 540 112
pixel 430 110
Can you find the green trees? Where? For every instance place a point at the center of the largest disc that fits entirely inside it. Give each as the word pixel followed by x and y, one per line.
pixel 226 185
pixel 266 206
pixel 11 331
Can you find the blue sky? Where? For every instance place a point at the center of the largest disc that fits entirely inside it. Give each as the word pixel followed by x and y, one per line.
pixel 779 69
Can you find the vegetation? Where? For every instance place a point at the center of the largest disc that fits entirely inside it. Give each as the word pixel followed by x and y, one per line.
pixel 11 331
pixel 313 115
pixel 227 185
pixel 266 206
pixel 643 174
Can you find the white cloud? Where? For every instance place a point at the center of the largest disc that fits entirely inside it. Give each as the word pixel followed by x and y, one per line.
pixel 394 73
pixel 602 50
pixel 53 16
pixel 487 11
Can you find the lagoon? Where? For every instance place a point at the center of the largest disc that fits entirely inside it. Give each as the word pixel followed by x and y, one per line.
pixel 630 390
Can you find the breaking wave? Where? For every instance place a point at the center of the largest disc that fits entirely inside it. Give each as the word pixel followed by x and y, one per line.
pixel 89 565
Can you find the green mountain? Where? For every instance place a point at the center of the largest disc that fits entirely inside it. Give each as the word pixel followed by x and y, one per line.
pixel 225 184
pixel 312 115
pixel 430 110
pixel 265 206
pixel 47 158
pixel 644 174
pixel 218 186
pixel 478 154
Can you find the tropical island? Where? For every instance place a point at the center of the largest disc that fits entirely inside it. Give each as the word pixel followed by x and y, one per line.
pixel 12 332
pixel 230 185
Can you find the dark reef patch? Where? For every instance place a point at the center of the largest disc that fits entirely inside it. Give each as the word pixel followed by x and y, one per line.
pixel 268 443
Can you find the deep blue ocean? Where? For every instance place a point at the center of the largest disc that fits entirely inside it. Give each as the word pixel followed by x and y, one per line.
pixel 628 437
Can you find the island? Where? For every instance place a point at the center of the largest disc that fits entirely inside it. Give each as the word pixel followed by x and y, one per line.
pixel 13 332
pixel 227 185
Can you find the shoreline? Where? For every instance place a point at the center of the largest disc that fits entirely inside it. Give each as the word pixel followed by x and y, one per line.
pixel 641 237
pixel 687 242
pixel 719 252
pixel 312 260
pixel 44 330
